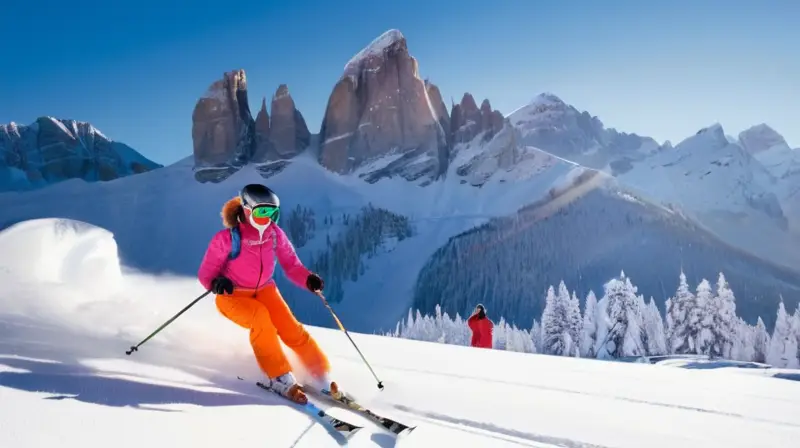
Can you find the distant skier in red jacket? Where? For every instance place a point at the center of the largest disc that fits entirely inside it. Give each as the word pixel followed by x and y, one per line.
pixel 481 328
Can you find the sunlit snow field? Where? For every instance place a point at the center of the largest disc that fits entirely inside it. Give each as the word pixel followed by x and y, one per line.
pixel 68 312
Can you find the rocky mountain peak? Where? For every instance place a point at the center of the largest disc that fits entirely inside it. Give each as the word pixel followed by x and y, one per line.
pixel 548 123
pixel 262 128
pixel 288 130
pixel 223 130
pixel 760 138
pixel 380 106
pixel 468 120
pixel 226 137
pixel 390 42
pixel 711 137
pixel 51 150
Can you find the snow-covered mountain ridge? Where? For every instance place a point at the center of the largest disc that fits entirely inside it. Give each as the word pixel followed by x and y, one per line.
pixel 745 191
pixel 51 150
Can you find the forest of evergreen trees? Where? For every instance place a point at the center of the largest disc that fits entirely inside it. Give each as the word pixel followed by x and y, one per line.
pixel 622 324
pixel 300 225
pixel 506 262
pixel 363 235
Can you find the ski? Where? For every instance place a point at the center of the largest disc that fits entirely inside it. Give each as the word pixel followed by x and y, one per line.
pixel 349 403
pixel 342 427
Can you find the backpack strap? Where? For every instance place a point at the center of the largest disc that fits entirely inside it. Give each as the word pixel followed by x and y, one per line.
pixel 274 246
pixel 236 243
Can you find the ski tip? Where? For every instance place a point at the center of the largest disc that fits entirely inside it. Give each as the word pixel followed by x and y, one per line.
pixel 402 435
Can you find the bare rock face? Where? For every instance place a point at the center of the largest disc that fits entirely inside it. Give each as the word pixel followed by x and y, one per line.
pixel 264 149
pixel 223 130
pixel 467 120
pixel 289 132
pixel 439 109
pixel 381 107
pixel 226 137
pixel 51 150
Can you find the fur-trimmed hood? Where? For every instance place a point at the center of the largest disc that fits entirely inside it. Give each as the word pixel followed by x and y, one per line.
pixel 232 213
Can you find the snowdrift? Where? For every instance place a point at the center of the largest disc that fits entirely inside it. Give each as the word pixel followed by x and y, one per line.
pixel 60 251
pixel 67 274
pixel 62 360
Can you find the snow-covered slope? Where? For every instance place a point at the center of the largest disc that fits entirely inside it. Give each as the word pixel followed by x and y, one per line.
pixel 163 220
pixel 725 188
pixel 62 366
pixel 783 162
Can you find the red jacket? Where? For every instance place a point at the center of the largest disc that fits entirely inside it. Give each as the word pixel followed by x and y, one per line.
pixel 481 331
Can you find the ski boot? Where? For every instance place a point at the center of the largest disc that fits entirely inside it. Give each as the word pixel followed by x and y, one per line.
pixel 287 386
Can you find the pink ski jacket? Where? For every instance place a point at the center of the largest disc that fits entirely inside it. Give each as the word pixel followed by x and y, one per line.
pixel 254 267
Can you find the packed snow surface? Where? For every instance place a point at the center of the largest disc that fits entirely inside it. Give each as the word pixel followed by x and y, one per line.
pixel 62 365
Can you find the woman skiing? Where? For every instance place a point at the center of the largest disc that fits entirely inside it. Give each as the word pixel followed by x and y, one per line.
pixel 481 328
pixel 247 293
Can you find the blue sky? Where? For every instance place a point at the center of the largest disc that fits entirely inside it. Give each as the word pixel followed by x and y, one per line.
pixel 662 69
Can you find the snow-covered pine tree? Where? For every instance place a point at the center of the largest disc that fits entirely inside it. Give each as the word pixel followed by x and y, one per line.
pixel 589 332
pixel 499 334
pixel 654 328
pixel 679 341
pixel 743 341
pixel 796 330
pixel 555 327
pixel 518 340
pixel 643 313
pixel 536 336
pixel 724 325
pixel 701 321
pixel 761 342
pixel 575 323
pixel 439 325
pixel 669 323
pixel 783 344
pixel 461 332
pixel 603 321
pixel 624 335
pixel 551 328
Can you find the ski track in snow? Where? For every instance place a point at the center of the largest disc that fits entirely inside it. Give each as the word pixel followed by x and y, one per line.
pixel 498 431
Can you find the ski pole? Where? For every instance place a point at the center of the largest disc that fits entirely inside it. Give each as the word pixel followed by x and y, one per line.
pixel 136 347
pixel 341 327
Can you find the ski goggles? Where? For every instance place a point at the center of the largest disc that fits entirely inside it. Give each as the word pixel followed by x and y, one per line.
pixel 265 211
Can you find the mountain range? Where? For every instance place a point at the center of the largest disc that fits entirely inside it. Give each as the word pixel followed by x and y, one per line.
pixel 398 201
pixel 51 150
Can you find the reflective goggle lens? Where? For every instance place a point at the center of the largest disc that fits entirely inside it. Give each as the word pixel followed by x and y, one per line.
pixel 265 211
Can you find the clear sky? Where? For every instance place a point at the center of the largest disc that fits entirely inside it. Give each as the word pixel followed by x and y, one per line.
pixel 659 68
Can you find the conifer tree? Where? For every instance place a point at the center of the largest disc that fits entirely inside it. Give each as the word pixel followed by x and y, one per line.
pixel 589 333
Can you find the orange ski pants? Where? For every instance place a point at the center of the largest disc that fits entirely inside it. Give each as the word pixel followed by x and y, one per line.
pixel 269 318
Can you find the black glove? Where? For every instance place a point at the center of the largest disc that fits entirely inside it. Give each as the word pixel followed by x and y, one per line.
pixel 222 284
pixel 314 283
